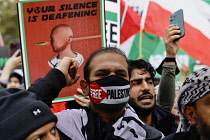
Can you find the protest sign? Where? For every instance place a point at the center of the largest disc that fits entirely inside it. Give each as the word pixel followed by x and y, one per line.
pixel 52 29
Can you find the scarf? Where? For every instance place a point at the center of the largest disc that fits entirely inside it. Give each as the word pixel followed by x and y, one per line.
pixel 127 127
pixel 195 87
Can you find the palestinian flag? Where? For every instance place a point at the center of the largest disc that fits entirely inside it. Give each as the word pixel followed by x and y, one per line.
pixel 111 90
pixel 153 16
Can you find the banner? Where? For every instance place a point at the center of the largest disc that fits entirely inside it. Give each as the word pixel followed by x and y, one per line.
pixel 112 16
pixel 53 29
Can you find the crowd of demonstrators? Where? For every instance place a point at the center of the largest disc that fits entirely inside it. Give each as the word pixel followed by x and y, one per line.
pixel 107 116
pixel 9 78
pixel 142 94
pixel 119 100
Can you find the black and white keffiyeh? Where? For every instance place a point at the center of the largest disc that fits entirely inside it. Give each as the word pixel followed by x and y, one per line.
pixel 83 124
pixel 127 127
pixel 195 86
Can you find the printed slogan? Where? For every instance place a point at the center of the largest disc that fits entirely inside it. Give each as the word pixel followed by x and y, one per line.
pixel 86 9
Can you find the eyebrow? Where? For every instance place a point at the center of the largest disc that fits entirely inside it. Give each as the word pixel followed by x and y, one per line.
pixel 140 79
pixel 101 70
pixel 121 70
pixel 105 70
pixel 142 72
pixel 40 133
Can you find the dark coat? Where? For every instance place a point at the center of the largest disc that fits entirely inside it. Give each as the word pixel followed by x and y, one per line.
pixel 189 135
pixel 164 121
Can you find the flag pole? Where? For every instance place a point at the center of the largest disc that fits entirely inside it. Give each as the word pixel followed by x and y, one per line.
pixel 144 14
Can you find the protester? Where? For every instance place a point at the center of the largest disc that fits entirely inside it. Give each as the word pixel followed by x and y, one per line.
pixel 107 116
pixel 174 109
pixel 193 106
pixel 142 92
pixel 14 80
pixel 24 118
pixel 7 72
pixel 61 41
pixel 183 74
pixel 143 98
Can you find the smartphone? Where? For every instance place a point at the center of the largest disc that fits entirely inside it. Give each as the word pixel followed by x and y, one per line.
pixel 14 47
pixel 177 19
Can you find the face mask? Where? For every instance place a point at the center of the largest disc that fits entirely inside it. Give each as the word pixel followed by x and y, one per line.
pixel 110 92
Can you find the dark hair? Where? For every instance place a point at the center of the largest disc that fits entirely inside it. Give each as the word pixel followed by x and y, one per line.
pixel 98 52
pixel 14 74
pixel 141 64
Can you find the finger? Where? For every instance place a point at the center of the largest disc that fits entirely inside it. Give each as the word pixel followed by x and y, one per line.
pixel 73 81
pixel 72 73
pixel 81 100
pixel 16 53
pixel 64 65
pixel 74 64
pixel 172 35
pixel 64 62
pixel 19 63
pixel 170 28
pixel 171 31
pixel 87 97
pixel 76 77
pixel 80 103
pixel 77 97
pixel 73 67
pixel 174 38
pixel 79 90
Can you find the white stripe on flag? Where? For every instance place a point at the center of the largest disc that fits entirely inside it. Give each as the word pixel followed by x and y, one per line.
pixel 115 100
pixel 126 46
pixel 111 6
pixel 196 12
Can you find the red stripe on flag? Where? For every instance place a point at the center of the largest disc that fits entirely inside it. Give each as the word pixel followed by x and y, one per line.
pixel 131 24
pixel 196 44
pixel 157 20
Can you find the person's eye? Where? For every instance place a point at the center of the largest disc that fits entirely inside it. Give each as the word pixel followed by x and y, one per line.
pixel 122 75
pixel 53 131
pixel 39 138
pixel 136 83
pixel 100 74
pixel 150 82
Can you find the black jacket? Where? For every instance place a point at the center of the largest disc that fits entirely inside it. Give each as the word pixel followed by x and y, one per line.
pixel 164 121
pixel 189 135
